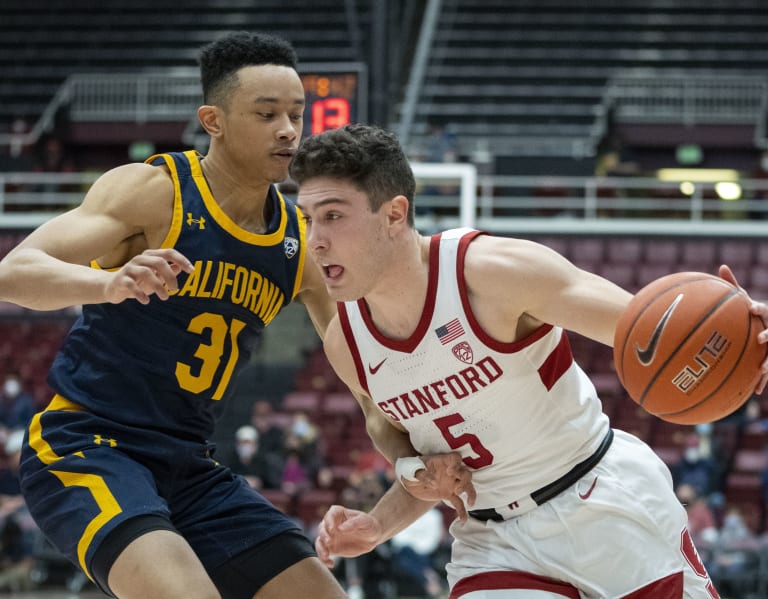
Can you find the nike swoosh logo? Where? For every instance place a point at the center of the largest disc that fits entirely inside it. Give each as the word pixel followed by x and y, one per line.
pixel 646 355
pixel 589 491
pixel 375 369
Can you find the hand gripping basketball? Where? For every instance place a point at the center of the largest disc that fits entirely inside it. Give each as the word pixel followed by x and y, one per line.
pixel 686 348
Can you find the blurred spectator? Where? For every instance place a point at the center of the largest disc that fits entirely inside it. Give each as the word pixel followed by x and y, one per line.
pixel 413 556
pixel 696 468
pixel 295 478
pixel 325 478
pixel 616 159
pixel 441 144
pixel 736 552
pixel 734 529
pixel 301 436
pixel 17 406
pixel 18 157
pixel 271 434
pixel 260 469
pixel 370 460
pixel 701 518
pixel 52 157
pixel 17 529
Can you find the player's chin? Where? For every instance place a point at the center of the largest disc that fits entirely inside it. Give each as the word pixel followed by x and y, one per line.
pixel 341 295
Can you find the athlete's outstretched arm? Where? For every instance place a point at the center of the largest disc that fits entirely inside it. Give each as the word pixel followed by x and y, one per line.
pixel 344 532
pixel 125 214
pixel 516 284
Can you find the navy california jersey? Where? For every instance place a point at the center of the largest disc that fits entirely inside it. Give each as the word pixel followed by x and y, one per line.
pixel 170 363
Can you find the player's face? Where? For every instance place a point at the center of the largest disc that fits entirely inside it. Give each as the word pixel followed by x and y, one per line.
pixel 345 238
pixel 264 119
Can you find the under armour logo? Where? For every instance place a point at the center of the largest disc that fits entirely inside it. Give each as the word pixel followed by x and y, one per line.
pixel 98 439
pixel 199 221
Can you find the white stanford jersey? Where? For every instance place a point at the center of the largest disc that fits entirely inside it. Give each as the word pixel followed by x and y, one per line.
pixel 521 414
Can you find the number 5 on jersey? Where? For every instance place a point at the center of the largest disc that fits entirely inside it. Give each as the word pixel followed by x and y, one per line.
pixel 483 458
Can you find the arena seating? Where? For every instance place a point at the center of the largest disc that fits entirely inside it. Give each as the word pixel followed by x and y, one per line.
pixel 41 43
pixel 540 69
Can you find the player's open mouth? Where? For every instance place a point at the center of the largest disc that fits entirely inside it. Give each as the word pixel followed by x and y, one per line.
pixel 332 271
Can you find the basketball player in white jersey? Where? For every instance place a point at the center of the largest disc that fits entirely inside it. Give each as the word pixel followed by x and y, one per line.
pixel 457 342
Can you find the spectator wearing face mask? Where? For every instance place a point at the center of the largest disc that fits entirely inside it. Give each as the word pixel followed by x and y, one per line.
pixel 696 468
pixel 262 470
pixel 301 448
pixel 16 405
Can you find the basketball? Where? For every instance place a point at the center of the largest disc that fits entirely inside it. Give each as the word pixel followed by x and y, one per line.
pixel 686 348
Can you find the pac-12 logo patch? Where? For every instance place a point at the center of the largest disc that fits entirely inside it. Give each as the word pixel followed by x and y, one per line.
pixel 463 352
pixel 291 246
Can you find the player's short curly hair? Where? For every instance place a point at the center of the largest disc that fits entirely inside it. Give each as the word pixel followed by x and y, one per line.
pixel 367 156
pixel 221 60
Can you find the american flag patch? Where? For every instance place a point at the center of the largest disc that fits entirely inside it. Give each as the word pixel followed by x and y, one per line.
pixel 449 331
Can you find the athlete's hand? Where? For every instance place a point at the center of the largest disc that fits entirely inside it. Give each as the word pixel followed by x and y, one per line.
pixel 445 478
pixel 153 272
pixel 346 533
pixel 758 309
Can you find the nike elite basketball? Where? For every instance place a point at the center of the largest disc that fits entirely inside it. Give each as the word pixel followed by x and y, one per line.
pixel 686 348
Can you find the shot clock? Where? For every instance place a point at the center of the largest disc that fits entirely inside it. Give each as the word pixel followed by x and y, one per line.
pixel 336 94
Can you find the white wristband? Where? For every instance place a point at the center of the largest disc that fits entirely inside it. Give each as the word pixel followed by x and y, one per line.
pixel 406 468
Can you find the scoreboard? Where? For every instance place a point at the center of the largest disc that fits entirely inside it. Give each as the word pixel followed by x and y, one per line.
pixel 337 94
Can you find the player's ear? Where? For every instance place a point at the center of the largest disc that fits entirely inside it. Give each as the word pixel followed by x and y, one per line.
pixel 209 119
pixel 398 211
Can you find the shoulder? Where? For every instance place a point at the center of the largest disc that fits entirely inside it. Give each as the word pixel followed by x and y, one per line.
pixel 490 255
pixel 136 174
pixel 513 269
pixel 133 190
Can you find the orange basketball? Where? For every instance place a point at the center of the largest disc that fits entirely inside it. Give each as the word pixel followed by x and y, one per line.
pixel 686 348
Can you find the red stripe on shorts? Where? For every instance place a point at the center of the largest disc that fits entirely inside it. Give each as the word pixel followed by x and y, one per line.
pixel 669 587
pixel 489 581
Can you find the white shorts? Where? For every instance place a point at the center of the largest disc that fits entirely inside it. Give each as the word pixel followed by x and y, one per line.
pixel 619 532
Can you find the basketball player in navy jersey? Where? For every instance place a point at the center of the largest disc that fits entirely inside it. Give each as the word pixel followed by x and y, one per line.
pixel 458 340
pixel 179 263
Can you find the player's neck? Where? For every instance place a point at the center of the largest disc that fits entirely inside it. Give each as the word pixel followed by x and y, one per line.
pixel 242 200
pixel 397 303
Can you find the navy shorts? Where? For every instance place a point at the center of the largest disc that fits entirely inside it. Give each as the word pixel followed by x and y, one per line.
pixel 83 476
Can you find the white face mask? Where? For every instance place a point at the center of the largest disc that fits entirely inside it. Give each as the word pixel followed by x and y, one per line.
pixel 732 521
pixel 691 454
pixel 11 388
pixel 246 450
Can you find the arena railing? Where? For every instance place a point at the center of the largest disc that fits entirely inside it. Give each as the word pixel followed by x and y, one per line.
pixel 450 195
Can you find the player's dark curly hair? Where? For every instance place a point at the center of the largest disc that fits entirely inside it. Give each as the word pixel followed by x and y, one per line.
pixel 367 156
pixel 220 60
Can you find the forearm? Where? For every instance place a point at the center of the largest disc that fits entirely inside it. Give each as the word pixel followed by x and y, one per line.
pixel 389 441
pixel 397 509
pixel 33 279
